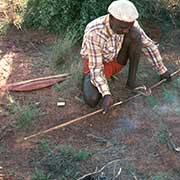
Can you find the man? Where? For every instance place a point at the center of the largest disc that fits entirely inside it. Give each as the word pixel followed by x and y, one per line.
pixel 109 42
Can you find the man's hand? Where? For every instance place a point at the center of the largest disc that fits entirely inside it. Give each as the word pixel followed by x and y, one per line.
pixel 107 102
pixel 166 76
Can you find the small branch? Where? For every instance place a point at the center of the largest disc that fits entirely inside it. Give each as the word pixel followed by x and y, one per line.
pixel 134 176
pixel 99 139
pixel 118 174
pixel 99 171
pixel 173 21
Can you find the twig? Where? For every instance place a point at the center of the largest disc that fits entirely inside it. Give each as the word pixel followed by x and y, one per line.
pixel 116 78
pixel 118 174
pixel 99 139
pixel 172 144
pixel 134 176
pixel 79 99
pixel 173 21
pixel 99 171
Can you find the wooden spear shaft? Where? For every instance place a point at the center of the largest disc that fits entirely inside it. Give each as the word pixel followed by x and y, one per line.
pixel 95 112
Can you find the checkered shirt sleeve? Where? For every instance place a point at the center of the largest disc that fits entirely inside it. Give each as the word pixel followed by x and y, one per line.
pixel 151 51
pixel 97 76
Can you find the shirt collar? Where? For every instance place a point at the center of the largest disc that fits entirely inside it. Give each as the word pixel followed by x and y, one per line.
pixel 107 23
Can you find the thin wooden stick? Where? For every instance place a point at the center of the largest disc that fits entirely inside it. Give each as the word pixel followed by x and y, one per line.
pixel 42 78
pixel 64 124
pixel 96 112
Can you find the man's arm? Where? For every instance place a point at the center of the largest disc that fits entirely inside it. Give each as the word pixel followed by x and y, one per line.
pixel 96 66
pixel 151 51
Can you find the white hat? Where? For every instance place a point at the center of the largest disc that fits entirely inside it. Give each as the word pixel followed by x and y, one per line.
pixel 123 10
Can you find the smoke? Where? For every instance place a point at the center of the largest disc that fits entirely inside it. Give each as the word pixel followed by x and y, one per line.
pixel 126 125
pixel 171 104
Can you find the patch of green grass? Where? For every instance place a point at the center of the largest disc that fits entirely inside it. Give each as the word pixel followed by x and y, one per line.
pixel 77 73
pixel 176 83
pixel 76 155
pixel 178 80
pixel 168 96
pixel 62 162
pixel 67 60
pixel 81 155
pixel 40 175
pixel 160 176
pixel 25 114
pixel 4 27
pixel 75 68
pixel 162 136
pixel 45 146
pixel 177 110
pixel 152 102
pixel 57 87
pixel 62 50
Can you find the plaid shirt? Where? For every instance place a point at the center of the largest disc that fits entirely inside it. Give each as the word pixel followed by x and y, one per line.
pixel 101 45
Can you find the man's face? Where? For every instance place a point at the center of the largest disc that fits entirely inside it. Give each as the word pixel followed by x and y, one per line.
pixel 120 27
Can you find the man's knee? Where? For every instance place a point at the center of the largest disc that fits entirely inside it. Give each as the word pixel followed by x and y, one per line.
pixel 91 93
pixel 92 101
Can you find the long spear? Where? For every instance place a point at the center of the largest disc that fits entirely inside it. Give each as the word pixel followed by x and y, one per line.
pixel 97 111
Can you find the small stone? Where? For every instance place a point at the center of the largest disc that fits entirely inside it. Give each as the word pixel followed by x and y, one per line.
pixel 37 103
pixel 60 104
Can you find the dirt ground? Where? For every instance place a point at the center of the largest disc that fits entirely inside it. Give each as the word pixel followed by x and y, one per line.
pixel 141 133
